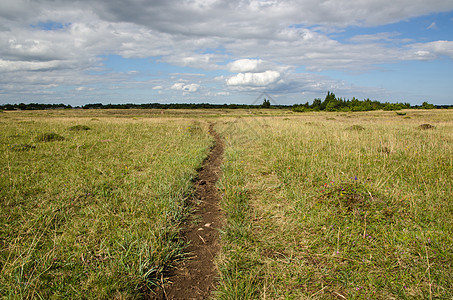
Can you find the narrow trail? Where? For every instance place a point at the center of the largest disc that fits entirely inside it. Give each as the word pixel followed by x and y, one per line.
pixel 195 277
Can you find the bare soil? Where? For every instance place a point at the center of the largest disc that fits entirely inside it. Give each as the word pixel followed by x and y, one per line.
pixel 195 277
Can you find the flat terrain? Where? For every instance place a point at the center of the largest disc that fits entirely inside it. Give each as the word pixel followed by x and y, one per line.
pixel 338 206
pixel 91 204
pixel 195 277
pixel 95 203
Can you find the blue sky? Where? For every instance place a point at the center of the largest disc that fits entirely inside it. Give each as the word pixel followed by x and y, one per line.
pixel 78 52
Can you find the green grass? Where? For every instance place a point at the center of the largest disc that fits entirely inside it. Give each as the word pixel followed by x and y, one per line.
pixel 319 205
pixel 79 127
pixel 49 137
pixel 95 215
pixel 317 210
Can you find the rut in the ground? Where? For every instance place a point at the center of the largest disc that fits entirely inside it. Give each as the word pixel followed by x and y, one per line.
pixel 195 277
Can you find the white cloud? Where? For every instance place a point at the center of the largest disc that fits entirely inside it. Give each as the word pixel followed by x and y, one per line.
pixel 255 66
pixel 254 79
pixel 9 66
pixel 195 60
pixel 179 86
pixel 257 17
pixel 157 87
pixel 316 51
pixel 84 88
pixel 246 65
pixel 381 36
pixel 176 33
pixel 432 26
pixel 431 50
pixel 442 47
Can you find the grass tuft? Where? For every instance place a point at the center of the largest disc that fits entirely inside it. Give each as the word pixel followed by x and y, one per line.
pixel 79 128
pixel 355 128
pixel 21 147
pixel 426 127
pixel 49 137
pixel 346 196
pixel 195 128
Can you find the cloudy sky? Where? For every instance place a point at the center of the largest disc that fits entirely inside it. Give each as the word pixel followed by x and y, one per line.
pixel 225 51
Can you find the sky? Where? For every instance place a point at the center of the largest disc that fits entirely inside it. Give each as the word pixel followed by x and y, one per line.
pixel 225 51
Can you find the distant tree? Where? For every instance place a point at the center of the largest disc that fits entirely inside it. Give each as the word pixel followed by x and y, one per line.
pixel 332 103
pixel 266 104
pixel 426 105
pixel 391 106
pixel 330 97
pixel 316 105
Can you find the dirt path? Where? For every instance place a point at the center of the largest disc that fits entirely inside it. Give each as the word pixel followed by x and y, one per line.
pixel 195 277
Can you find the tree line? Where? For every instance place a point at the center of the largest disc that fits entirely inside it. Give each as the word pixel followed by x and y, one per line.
pixel 330 103
pixel 33 106
pixel 37 106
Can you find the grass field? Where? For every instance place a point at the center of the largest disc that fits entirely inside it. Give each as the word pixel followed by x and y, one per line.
pixel 338 206
pixel 91 203
pixel 318 205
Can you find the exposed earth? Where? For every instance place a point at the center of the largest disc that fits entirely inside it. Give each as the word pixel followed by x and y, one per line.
pixel 195 277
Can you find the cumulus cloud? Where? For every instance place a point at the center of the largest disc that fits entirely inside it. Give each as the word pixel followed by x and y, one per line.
pixel 246 65
pixel 179 86
pixel 314 50
pixel 177 32
pixel 254 79
pixel 202 17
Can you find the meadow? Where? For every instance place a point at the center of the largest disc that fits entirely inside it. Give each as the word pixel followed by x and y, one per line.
pixel 338 206
pixel 318 205
pixel 91 202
